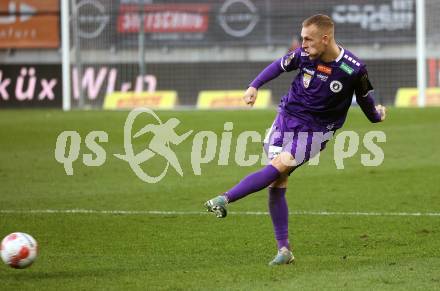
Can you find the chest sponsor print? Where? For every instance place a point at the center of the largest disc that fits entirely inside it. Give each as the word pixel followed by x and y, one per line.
pixel 324 69
pixel 322 77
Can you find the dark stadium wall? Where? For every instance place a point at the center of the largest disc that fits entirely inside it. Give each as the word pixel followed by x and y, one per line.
pixel 188 79
pixel 386 75
pixel 34 85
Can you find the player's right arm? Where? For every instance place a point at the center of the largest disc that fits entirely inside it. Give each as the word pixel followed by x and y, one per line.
pixel 250 96
pixel 287 63
pixel 365 98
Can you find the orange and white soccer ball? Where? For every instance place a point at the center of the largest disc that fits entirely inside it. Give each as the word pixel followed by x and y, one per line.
pixel 18 250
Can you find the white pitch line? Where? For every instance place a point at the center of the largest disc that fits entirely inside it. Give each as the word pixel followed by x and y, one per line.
pixel 251 213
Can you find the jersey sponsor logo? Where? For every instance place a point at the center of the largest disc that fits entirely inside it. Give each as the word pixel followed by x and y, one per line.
pixel 306 80
pixel 322 77
pixel 304 54
pixel 308 71
pixel 324 69
pixel 288 60
pixel 346 68
pixel 336 86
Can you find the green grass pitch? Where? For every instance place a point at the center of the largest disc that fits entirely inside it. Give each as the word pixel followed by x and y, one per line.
pixel 96 251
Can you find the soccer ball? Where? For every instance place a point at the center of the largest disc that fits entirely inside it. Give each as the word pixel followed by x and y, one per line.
pixel 18 250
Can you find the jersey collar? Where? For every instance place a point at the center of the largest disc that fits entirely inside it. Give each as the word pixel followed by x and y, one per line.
pixel 341 54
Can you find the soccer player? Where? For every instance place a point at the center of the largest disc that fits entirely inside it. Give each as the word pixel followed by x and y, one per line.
pixel 317 102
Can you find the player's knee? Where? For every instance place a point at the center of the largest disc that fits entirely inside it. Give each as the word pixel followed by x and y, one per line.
pixel 281 182
pixel 284 162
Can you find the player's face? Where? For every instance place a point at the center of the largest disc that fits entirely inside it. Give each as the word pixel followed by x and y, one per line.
pixel 313 41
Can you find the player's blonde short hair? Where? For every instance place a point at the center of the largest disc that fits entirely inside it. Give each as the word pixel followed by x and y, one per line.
pixel 323 22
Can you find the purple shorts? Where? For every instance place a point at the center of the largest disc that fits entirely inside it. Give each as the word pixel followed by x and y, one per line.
pixel 296 136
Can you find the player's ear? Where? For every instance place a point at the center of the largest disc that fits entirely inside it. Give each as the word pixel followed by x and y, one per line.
pixel 325 39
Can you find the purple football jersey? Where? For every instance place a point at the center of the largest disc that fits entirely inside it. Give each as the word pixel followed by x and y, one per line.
pixel 321 93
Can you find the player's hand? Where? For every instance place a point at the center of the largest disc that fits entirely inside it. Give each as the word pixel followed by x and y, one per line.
pixel 382 111
pixel 250 96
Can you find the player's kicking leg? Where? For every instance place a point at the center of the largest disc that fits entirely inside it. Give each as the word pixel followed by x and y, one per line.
pixel 250 184
pixel 217 205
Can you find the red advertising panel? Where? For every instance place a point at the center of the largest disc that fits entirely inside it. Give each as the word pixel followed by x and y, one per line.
pixel 29 24
pixel 164 18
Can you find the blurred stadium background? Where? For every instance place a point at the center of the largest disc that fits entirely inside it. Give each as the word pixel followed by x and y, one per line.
pixel 104 229
pixel 192 46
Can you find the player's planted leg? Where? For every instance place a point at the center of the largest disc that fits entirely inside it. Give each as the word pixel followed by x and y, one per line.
pixel 279 214
pixel 283 257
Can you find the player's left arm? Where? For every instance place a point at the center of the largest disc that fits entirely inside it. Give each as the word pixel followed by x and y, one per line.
pixel 365 98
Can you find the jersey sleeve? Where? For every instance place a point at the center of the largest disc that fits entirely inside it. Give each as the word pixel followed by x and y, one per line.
pixel 286 63
pixel 363 84
pixel 365 95
pixel 290 61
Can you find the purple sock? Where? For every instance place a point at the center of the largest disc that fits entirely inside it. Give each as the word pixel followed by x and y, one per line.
pixel 280 216
pixel 253 183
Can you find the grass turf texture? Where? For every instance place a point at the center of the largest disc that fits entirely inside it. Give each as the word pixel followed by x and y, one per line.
pixel 104 251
